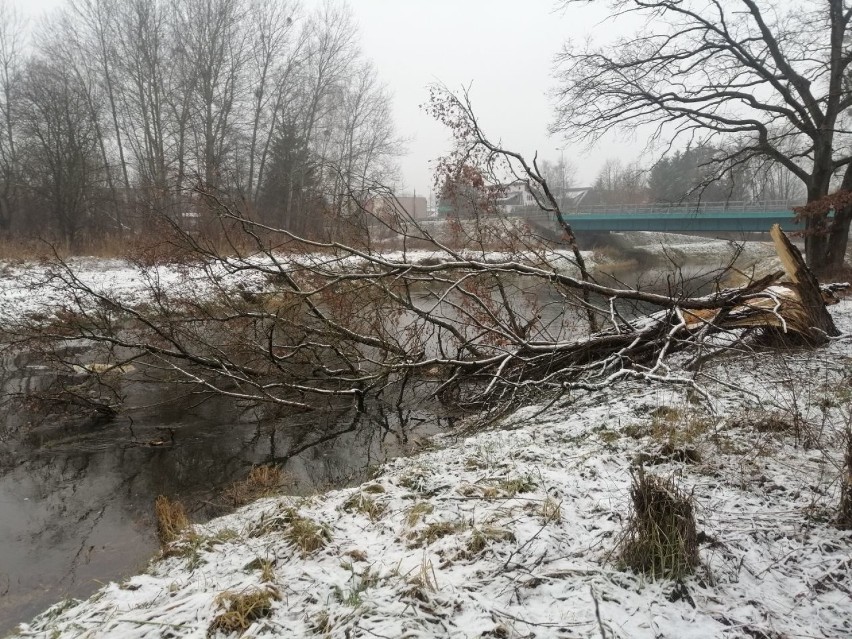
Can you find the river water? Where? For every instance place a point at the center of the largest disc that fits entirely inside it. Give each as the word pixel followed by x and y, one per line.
pixel 76 494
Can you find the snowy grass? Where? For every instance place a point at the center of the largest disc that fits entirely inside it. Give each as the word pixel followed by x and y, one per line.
pixel 515 532
pixel 38 291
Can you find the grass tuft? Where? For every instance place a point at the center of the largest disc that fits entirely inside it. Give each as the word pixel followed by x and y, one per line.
pixel 172 520
pixel 517 485
pixel 265 566
pixel 417 512
pixel 359 502
pixel 261 481
pixel 480 538
pixel 373 489
pixel 661 539
pixel 307 535
pixel 551 511
pixel 422 583
pixel 321 623
pixel 241 610
pixel 436 530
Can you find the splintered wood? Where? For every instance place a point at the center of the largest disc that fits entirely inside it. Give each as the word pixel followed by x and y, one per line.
pixel 796 305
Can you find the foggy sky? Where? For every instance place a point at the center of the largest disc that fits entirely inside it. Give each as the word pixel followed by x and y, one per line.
pixel 503 48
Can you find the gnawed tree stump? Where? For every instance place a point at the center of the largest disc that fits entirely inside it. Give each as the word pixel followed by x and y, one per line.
pixel 796 306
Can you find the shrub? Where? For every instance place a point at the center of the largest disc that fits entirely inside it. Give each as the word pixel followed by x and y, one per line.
pixel 844 517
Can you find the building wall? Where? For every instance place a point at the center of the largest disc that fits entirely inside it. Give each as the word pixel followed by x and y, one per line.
pixel 415 206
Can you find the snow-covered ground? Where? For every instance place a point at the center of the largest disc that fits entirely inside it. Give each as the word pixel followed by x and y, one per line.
pixel 514 532
pixel 36 290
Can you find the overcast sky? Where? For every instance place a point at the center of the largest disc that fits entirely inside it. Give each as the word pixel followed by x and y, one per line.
pixel 503 48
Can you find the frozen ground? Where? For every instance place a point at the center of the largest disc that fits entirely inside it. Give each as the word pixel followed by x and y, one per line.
pixel 751 256
pixel 514 532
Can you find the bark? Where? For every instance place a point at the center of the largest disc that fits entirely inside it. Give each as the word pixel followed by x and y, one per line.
pixel 838 234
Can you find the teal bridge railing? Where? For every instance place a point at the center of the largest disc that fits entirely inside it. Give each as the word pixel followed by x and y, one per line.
pixel 704 217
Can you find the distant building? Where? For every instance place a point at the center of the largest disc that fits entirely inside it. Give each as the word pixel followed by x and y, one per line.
pixel 413 206
pixel 518 199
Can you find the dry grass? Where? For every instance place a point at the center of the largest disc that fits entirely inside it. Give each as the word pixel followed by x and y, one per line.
pixel 373 489
pixel 435 531
pixel 172 520
pixel 359 502
pixel 307 535
pixel 415 479
pixel 266 568
pixel 422 583
pixel 551 511
pixel 303 533
pixel 661 539
pixel 480 538
pixel 417 512
pixel 321 623
pixel 512 487
pixel 28 249
pixel 241 610
pixel 261 481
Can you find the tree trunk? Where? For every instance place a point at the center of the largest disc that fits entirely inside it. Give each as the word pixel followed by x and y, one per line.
pixel 816 233
pixel 809 312
pixel 838 233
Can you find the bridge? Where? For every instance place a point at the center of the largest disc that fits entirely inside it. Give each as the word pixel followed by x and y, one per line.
pixel 703 217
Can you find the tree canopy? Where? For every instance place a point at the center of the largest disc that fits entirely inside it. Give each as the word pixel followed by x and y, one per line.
pixel 755 78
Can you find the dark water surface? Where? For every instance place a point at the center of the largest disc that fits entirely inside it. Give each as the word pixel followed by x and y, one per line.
pixel 76 495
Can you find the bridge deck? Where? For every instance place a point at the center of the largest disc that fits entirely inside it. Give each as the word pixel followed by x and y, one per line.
pixel 680 221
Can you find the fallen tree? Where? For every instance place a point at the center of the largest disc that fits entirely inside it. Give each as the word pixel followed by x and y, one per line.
pixel 476 310
pixel 305 324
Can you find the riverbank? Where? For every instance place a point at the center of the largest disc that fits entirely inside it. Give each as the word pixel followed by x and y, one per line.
pixel 516 532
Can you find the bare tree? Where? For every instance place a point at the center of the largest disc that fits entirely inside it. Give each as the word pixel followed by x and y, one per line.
pixel 143 64
pixel 270 58
pixel 771 78
pixel 64 167
pixel 363 138
pixel 216 46
pixel 617 183
pixel 560 174
pixel 79 35
pixel 11 55
pixel 98 40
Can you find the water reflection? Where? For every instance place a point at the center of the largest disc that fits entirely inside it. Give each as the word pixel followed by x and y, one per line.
pixel 76 495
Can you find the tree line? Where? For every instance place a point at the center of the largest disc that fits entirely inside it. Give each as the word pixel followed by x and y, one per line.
pixel 692 175
pixel 116 110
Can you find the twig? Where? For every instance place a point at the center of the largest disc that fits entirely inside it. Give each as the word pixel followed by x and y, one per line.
pixel 598 612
